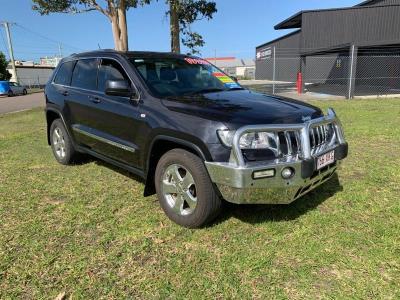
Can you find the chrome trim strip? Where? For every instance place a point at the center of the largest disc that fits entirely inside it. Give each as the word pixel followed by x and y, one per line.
pixel 104 140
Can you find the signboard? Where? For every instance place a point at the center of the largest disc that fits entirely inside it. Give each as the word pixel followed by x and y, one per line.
pixel 264 53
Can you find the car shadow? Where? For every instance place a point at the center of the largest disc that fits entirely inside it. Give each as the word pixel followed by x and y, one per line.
pixel 87 159
pixel 261 213
pixel 253 213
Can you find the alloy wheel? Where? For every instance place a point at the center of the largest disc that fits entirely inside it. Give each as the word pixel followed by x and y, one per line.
pixel 179 189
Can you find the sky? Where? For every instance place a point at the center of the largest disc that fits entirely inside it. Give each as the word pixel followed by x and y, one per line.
pixel 236 29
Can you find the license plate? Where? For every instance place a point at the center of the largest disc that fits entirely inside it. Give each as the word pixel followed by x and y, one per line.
pixel 325 159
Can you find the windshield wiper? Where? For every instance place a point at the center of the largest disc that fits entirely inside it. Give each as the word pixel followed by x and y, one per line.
pixel 236 88
pixel 203 91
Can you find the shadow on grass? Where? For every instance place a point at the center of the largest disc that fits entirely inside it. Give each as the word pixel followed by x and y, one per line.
pixel 255 214
pixel 258 213
pixel 86 159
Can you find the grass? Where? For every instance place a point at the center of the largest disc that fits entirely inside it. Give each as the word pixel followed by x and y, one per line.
pixel 87 231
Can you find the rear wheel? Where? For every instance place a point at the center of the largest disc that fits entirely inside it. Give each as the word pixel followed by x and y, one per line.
pixel 184 189
pixel 61 143
pixel 24 92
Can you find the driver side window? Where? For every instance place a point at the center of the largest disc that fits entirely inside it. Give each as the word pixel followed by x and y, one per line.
pixel 110 70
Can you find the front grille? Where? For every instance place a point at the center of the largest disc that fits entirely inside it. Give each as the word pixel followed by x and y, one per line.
pixel 289 143
pixel 322 137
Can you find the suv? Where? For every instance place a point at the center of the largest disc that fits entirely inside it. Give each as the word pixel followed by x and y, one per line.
pixel 190 131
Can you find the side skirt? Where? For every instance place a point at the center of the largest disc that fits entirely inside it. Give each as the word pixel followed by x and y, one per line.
pixel 111 161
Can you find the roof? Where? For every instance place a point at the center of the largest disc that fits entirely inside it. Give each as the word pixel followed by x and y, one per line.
pixel 295 20
pixel 147 54
pixel 279 38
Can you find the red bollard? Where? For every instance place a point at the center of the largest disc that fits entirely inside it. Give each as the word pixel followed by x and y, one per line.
pixel 299 83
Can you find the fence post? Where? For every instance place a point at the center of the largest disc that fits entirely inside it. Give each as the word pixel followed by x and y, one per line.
pixel 352 72
pixel 303 65
pixel 274 71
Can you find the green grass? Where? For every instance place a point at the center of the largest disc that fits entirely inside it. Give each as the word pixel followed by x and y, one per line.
pixel 86 230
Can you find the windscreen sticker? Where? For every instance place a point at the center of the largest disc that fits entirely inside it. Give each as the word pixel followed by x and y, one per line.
pixel 196 61
pixel 225 79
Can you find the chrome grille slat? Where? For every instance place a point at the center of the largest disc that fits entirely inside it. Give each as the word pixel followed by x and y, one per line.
pixel 288 143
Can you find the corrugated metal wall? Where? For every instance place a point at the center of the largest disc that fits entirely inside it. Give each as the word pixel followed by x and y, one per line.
pixel 371 25
pixel 287 59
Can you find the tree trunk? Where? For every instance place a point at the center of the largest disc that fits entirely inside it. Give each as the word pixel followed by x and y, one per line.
pixel 123 26
pixel 119 27
pixel 174 26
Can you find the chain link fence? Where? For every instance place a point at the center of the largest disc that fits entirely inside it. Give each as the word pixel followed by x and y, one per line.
pixel 363 73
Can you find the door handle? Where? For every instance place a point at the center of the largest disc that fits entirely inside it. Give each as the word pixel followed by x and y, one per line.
pixel 65 93
pixel 94 99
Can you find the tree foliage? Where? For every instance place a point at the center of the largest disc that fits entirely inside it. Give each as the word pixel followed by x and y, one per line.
pixel 4 74
pixel 183 13
pixel 114 10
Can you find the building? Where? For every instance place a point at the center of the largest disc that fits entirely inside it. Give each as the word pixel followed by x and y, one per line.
pixel 240 68
pixel 354 50
pixel 50 61
pixel 31 75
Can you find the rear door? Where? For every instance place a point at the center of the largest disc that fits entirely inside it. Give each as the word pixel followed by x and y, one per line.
pixel 79 102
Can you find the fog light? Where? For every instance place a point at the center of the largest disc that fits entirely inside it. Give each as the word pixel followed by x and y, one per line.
pixel 264 174
pixel 287 173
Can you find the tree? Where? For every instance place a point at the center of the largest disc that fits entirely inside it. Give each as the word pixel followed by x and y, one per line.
pixel 114 10
pixel 183 13
pixel 4 74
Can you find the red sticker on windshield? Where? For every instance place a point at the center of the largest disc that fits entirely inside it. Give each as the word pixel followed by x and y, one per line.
pixel 196 61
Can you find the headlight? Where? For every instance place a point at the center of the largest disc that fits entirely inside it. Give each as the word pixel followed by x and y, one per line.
pixel 259 140
pixel 226 136
pixel 251 140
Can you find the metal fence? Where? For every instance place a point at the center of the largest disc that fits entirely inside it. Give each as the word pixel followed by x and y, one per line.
pixel 341 74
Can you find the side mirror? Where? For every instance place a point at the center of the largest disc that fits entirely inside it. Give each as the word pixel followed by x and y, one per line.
pixel 120 88
pixel 234 78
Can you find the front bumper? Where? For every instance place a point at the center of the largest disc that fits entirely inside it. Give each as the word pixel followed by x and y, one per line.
pixel 236 183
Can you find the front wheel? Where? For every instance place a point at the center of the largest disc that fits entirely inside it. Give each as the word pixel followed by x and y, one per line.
pixel 184 189
pixel 10 93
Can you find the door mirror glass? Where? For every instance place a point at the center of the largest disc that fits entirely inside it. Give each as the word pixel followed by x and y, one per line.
pixel 120 88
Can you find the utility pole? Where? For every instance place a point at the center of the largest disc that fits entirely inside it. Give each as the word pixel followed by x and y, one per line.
pixel 10 48
pixel 60 53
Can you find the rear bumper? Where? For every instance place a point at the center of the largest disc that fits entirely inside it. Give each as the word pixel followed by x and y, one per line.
pixel 237 184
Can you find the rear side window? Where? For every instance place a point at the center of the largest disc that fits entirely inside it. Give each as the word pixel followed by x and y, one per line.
pixel 110 70
pixel 85 74
pixel 64 73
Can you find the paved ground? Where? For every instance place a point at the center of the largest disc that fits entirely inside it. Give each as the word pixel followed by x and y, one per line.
pixel 17 103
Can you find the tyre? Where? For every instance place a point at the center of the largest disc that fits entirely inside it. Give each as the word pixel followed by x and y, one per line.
pixel 10 93
pixel 61 143
pixel 184 189
pixel 24 92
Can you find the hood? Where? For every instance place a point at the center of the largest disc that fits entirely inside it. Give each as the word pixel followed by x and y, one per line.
pixel 243 107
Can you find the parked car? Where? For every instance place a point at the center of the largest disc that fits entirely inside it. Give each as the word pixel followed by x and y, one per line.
pixel 8 88
pixel 190 131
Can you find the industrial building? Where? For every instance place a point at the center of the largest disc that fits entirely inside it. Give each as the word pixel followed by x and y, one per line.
pixel 351 50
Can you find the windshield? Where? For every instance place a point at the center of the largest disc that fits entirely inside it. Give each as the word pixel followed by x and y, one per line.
pixel 179 76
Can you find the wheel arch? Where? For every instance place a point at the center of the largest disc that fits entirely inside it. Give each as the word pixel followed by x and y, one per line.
pixel 159 146
pixel 51 115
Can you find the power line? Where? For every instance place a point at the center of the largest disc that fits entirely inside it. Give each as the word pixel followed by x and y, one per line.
pixel 47 38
